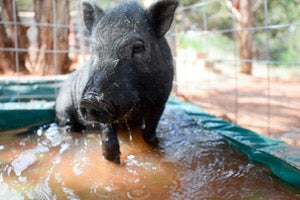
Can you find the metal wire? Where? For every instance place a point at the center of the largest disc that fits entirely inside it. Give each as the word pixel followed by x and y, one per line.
pixel 235 78
pixel 205 85
pixel 266 13
pixel 16 43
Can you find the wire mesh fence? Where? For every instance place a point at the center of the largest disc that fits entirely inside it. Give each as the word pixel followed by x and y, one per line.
pixel 213 40
pixel 237 59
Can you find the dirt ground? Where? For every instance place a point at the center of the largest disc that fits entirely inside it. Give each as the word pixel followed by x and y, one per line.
pixel 268 105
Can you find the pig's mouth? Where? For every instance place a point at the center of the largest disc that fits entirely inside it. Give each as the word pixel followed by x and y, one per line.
pixel 95 110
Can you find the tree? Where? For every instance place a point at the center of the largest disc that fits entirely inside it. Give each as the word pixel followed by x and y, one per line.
pixel 53 36
pixel 243 12
pixel 8 58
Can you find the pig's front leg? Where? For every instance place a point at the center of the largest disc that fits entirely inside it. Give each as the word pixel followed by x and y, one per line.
pixel 151 122
pixel 110 143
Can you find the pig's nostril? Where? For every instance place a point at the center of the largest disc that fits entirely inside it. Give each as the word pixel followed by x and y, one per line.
pixel 93 97
pixel 89 112
pixel 83 111
pixel 86 106
pixel 94 113
pixel 94 110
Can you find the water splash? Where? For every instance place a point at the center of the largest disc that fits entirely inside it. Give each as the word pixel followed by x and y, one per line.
pixel 27 158
pixel 7 193
pixel 130 133
pixel 191 163
pixel 70 194
pixel 43 190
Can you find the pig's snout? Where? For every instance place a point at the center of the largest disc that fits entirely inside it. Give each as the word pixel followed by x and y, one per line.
pixel 95 109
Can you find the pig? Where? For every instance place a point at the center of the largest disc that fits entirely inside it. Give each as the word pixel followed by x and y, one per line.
pixel 127 79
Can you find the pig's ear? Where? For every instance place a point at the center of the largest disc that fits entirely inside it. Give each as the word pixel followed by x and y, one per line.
pixel 161 14
pixel 90 13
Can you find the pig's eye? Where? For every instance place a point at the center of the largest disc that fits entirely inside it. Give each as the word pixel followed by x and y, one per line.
pixel 138 48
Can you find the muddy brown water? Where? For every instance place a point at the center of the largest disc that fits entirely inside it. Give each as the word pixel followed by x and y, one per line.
pixel 191 163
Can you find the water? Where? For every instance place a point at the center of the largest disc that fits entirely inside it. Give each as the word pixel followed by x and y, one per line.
pixel 191 163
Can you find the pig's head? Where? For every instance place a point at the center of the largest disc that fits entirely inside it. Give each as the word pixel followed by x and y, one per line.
pixel 131 63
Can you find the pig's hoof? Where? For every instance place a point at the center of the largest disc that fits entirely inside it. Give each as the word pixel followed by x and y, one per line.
pixel 113 157
pixel 153 141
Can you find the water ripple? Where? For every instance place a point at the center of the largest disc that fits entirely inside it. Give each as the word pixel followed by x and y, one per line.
pixel 139 193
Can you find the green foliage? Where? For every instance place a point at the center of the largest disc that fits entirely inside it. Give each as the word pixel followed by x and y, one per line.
pixel 216 16
pixel 108 4
pixel 25 5
pixel 200 43
pixel 213 16
pixel 283 12
pixel 188 42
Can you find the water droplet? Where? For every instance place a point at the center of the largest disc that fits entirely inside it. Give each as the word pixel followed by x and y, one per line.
pixel 130 133
pixel 108 188
pixel 76 169
pixel 39 132
pixel 22 179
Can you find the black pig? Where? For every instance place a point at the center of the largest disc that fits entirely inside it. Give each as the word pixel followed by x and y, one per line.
pixel 128 78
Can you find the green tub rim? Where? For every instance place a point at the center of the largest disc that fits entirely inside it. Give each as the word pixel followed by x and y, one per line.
pixel 277 155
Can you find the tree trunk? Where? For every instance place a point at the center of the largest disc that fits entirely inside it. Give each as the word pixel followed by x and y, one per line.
pixel 52 37
pixel 244 37
pixel 8 62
